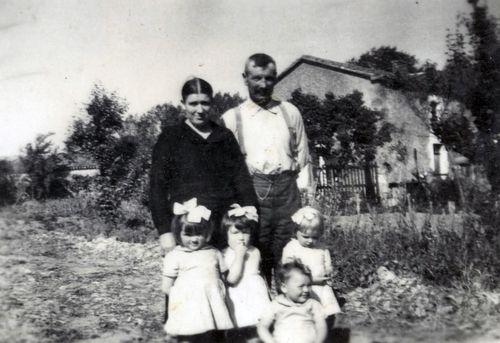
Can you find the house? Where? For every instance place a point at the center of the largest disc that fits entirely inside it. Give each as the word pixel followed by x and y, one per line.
pixel 414 150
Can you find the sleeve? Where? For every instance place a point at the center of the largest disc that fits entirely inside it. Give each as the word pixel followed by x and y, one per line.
pixel 171 265
pixel 229 120
pixel 222 263
pixel 287 254
pixel 305 178
pixel 269 314
pixel 228 257
pixel 317 310
pixel 241 180
pixel 328 263
pixel 160 206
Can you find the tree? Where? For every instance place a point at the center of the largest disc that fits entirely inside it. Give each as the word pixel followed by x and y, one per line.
pixel 7 183
pixel 387 58
pixel 46 167
pixel 344 129
pixel 472 74
pixel 98 134
pixel 222 102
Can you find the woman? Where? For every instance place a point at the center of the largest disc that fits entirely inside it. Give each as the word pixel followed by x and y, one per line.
pixel 197 159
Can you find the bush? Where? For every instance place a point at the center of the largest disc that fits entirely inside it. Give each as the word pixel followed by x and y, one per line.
pixel 47 169
pixel 440 254
pixel 7 184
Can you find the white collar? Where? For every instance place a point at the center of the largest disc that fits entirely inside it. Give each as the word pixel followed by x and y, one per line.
pixel 253 108
pixel 203 135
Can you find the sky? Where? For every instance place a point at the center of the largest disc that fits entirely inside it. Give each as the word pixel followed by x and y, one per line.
pixel 54 52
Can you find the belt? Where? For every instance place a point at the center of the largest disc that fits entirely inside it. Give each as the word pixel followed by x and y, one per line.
pixel 274 177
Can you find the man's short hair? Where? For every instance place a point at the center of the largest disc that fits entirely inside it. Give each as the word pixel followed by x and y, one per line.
pixel 259 60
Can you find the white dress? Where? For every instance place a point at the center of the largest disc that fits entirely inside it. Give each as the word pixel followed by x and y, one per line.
pixel 197 297
pixel 249 297
pixel 320 264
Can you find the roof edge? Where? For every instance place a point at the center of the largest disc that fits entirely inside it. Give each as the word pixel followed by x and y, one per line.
pixel 366 73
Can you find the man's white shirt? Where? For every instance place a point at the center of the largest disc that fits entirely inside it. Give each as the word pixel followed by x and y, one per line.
pixel 267 139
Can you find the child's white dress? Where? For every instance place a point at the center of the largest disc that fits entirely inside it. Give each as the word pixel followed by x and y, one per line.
pixel 197 297
pixel 294 322
pixel 249 297
pixel 320 264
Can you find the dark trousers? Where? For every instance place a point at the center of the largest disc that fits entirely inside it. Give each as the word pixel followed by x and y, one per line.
pixel 279 199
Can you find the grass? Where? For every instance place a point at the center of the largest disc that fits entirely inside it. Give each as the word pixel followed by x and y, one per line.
pixel 446 268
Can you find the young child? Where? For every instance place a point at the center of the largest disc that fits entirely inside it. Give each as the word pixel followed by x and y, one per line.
pixel 295 316
pixel 192 278
pixel 305 247
pixel 247 290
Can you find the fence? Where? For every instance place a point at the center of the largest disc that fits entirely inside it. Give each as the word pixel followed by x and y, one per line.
pixel 347 179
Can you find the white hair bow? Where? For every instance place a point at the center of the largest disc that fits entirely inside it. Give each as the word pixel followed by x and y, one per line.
pixel 248 211
pixel 308 213
pixel 194 212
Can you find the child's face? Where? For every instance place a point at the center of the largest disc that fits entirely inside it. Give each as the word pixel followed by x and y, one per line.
pixel 298 287
pixel 308 238
pixel 193 241
pixel 237 237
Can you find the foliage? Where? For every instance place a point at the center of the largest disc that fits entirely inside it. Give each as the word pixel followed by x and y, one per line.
pixel 122 146
pixel 224 101
pixel 46 168
pixel 7 183
pixel 98 134
pixel 344 130
pixel 440 254
pixel 387 58
pixel 162 115
pixel 471 76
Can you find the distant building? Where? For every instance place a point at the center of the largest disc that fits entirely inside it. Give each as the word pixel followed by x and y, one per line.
pixel 414 148
pixel 83 170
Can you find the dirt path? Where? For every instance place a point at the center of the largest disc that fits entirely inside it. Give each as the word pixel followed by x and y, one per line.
pixel 60 288
pixel 55 287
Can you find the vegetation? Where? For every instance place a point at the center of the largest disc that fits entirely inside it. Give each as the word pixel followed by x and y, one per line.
pixel 344 130
pixel 7 183
pixel 47 169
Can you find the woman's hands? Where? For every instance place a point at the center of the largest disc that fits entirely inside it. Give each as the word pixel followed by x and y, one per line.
pixel 167 243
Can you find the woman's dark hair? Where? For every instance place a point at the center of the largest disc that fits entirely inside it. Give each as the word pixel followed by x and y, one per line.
pixel 242 223
pixel 284 271
pixel 196 86
pixel 180 223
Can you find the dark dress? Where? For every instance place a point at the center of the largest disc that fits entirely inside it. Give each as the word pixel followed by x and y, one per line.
pixel 186 166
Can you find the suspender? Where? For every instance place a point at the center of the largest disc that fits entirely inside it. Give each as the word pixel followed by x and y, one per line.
pixel 291 130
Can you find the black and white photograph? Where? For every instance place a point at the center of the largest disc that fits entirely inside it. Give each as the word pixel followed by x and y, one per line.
pixel 191 171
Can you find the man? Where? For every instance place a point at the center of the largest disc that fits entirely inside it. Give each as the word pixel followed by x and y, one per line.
pixel 271 135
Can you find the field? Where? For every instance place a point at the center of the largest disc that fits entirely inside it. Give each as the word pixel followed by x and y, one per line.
pixel 62 282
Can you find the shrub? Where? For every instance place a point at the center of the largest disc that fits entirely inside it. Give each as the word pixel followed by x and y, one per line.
pixel 440 253
pixel 47 169
pixel 7 184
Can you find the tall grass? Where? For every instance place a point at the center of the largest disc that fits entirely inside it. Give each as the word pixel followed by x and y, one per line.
pixel 442 252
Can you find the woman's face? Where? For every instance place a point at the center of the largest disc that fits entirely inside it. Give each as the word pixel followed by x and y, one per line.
pixel 197 108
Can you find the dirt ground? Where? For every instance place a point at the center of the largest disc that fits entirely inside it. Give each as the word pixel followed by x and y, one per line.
pixel 55 287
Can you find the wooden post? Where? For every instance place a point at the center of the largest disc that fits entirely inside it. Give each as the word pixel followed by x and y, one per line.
pixel 408 201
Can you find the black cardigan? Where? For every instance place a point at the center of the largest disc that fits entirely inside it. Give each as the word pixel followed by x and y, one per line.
pixel 186 166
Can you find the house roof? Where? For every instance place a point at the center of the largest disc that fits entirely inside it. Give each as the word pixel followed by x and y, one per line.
pixel 347 68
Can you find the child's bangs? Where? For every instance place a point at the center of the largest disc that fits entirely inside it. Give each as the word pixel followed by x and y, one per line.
pixel 195 229
pixel 245 226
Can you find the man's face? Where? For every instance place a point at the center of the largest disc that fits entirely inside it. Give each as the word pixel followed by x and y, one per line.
pixel 260 82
